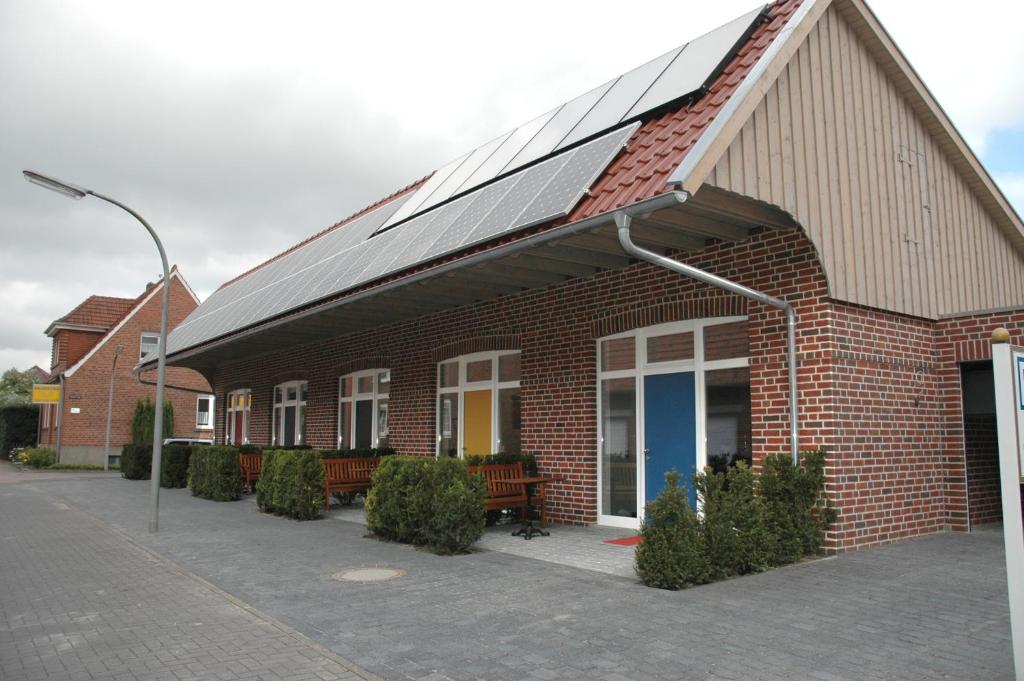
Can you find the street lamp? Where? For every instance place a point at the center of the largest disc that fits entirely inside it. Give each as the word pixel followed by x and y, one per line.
pixel 76 193
pixel 110 407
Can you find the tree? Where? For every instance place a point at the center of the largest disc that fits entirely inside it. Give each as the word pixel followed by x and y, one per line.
pixel 16 387
pixel 142 421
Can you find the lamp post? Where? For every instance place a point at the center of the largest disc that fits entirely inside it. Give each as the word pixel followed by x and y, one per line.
pixel 71 191
pixel 110 407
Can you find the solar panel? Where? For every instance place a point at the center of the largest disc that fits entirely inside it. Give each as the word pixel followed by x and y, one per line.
pixel 507 151
pixel 700 62
pixel 460 228
pixel 559 126
pixel 420 195
pixel 620 98
pixel 568 186
pixel 447 188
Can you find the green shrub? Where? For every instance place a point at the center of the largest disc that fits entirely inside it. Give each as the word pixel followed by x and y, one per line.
pixel 174 465
pixel 291 483
pixel 748 523
pixel 18 426
pixel 454 501
pixel 797 511
pixel 673 554
pixel 736 532
pixel 143 421
pixel 38 457
pixel 427 502
pixel 214 473
pixel 267 483
pixel 136 461
pixel 390 512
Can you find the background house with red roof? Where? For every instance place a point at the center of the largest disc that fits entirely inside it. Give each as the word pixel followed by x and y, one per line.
pixel 86 342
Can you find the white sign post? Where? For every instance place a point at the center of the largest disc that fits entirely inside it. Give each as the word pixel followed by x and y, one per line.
pixel 1008 372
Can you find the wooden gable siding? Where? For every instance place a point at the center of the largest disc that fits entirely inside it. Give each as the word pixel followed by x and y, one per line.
pixel 837 145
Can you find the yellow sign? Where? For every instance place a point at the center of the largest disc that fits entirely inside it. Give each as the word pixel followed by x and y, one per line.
pixel 46 393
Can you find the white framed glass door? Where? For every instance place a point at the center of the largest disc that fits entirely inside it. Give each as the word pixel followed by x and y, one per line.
pixel 669 396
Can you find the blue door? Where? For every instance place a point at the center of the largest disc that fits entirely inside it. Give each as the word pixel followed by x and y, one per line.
pixel 670 431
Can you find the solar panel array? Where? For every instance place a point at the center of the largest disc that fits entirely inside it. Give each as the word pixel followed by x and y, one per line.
pixel 677 74
pixel 533 174
pixel 348 257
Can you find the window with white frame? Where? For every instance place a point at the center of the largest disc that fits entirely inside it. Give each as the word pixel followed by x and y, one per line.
pixel 149 342
pixel 236 423
pixel 289 424
pixel 204 412
pixel 479 407
pixel 363 409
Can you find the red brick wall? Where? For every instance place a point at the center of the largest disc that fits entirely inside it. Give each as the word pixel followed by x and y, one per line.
pixel 71 345
pixel 874 388
pixel 968 339
pixel 87 388
pixel 889 474
pixel 982 451
pixel 556 329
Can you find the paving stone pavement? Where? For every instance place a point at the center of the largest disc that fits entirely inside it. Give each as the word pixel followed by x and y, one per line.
pixel 579 547
pixel 79 601
pixel 931 608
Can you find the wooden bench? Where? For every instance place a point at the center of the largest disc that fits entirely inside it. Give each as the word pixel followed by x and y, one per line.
pixel 347 475
pixel 501 494
pixel 252 466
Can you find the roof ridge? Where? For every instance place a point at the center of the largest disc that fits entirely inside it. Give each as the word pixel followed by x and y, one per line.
pixel 341 223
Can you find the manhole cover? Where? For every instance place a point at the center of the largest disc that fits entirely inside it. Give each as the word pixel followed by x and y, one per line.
pixel 370 574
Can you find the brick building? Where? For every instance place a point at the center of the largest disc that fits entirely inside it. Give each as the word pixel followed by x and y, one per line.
pixel 85 342
pixel 606 287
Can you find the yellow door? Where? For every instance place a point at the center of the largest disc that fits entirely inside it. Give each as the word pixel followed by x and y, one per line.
pixel 477 433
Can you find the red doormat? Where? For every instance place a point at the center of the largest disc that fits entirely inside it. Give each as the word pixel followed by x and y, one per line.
pixel 625 541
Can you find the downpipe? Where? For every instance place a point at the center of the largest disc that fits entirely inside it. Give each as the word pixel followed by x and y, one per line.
pixel 623 221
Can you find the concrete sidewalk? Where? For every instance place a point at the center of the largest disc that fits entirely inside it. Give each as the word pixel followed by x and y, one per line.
pixel 932 608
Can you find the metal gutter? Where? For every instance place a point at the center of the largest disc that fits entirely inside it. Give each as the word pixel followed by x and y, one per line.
pixel 623 220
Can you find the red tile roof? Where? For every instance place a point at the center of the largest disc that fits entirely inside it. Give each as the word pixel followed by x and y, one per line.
pixel 101 311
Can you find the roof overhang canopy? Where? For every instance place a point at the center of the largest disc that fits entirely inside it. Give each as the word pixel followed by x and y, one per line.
pixel 548 257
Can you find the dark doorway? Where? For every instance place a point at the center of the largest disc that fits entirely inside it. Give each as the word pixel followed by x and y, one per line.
pixel 980 445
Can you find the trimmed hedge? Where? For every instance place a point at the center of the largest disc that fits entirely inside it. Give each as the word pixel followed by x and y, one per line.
pixel 136 462
pixel 434 503
pixel 749 522
pixel 364 453
pixel 174 465
pixel 529 461
pixel 291 483
pixel 214 473
pixel 18 426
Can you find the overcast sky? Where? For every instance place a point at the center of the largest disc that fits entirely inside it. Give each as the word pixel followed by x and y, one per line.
pixel 239 128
